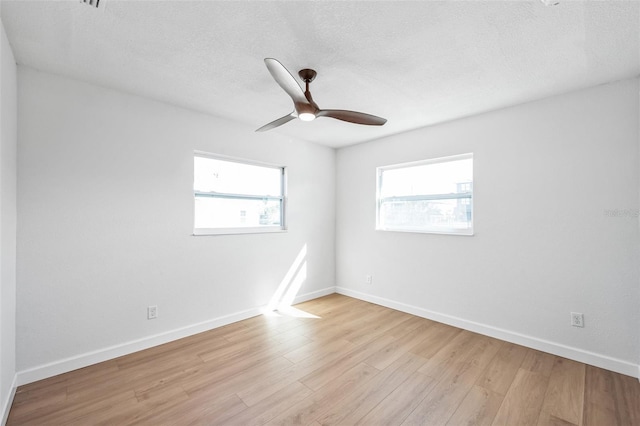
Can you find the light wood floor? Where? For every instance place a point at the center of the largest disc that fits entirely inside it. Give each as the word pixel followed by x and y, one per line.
pixel 358 363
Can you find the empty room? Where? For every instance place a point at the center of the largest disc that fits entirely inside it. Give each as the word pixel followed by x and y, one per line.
pixel 319 212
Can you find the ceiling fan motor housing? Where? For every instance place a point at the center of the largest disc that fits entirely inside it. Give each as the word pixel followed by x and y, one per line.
pixel 307 75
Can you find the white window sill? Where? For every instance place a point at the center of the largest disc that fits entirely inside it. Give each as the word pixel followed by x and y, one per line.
pixel 462 232
pixel 237 231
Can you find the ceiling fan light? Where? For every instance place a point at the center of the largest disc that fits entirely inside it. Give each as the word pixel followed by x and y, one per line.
pixel 306 116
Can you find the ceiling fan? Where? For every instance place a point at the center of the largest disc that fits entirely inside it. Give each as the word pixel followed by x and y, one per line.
pixel 304 107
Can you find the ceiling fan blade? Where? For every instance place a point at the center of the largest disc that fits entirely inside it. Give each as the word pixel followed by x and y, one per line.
pixel 279 122
pixel 286 81
pixel 352 117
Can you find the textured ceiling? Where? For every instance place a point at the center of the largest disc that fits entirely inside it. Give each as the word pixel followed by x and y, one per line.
pixel 414 63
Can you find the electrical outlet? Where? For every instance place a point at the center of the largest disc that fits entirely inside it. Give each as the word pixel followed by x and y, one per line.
pixel 577 319
pixel 152 312
pixel 368 279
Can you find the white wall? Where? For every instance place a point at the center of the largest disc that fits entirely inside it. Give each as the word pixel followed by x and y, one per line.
pixel 105 200
pixel 545 174
pixel 8 140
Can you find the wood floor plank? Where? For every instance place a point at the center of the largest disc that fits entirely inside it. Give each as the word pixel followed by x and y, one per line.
pixel 451 353
pixel 547 419
pixel 231 351
pixel 503 368
pixel 214 372
pixel 400 402
pixel 270 327
pixel 270 407
pixel 565 394
pixel 325 374
pixel 353 317
pixel 538 362
pixel 48 393
pixel 600 406
pixel 390 321
pixel 277 380
pixel 454 383
pixel 352 361
pixel 118 414
pixel 364 398
pixel 437 336
pixel 597 415
pixel 311 349
pixel 610 398
pixel 37 389
pixel 44 403
pixel 479 407
pixel 80 411
pixel 316 404
pixel 357 324
pixel 627 398
pixel 332 304
pixel 523 401
pixel 220 377
pixel 145 376
pixel 168 351
pixel 394 350
pixel 206 413
pixel 204 408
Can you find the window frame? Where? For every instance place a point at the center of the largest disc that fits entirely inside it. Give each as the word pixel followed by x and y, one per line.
pixel 282 198
pixel 427 197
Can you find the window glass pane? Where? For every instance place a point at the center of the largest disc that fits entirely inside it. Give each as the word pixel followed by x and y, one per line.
pixel 213 175
pixel 211 212
pixel 434 215
pixel 439 178
pixel 429 196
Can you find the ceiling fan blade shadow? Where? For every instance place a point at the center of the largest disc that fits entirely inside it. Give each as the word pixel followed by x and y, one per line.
pixel 286 81
pixel 279 122
pixel 352 117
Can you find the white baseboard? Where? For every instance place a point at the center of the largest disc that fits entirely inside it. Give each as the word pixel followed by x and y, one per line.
pixel 576 354
pixel 83 360
pixel 314 295
pixel 6 406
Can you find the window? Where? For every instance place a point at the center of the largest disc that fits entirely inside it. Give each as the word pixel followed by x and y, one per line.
pixel 236 196
pixel 434 196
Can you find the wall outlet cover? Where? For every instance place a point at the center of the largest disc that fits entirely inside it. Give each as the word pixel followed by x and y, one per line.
pixel 577 319
pixel 152 312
